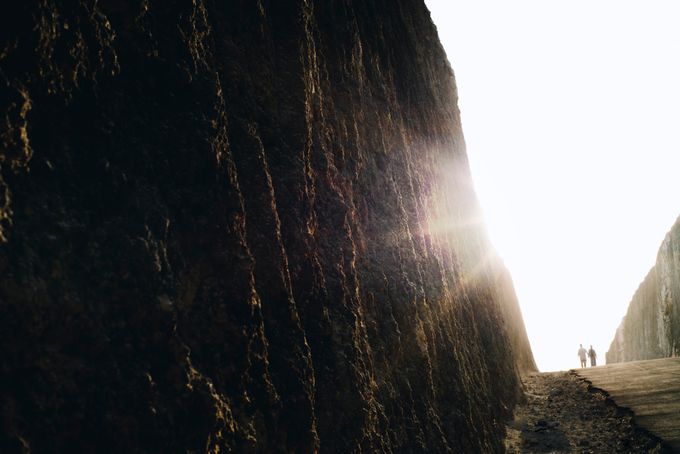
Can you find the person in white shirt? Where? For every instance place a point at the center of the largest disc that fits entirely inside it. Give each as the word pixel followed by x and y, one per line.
pixel 582 355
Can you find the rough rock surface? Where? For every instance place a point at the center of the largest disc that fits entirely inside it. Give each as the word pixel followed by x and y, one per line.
pixel 651 327
pixel 243 226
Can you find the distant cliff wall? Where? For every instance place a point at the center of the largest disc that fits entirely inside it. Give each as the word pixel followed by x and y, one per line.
pixel 651 327
pixel 243 226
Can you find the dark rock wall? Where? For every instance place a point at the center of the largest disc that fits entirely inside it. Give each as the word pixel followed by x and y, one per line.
pixel 651 327
pixel 243 226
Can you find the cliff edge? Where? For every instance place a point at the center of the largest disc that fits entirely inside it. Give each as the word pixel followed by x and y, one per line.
pixel 651 327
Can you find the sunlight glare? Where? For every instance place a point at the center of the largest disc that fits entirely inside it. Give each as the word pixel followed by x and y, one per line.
pixel 570 112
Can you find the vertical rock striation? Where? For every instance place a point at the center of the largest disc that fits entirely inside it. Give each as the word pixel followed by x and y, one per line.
pixel 651 327
pixel 243 226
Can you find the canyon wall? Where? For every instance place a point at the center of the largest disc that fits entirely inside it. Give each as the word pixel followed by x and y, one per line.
pixel 651 327
pixel 243 226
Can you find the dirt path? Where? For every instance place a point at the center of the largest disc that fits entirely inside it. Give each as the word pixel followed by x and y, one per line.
pixel 561 415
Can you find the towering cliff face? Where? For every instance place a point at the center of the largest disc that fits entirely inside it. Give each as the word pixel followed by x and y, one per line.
pixel 243 225
pixel 651 327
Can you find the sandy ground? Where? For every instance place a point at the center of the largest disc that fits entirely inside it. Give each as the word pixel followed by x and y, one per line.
pixel 562 415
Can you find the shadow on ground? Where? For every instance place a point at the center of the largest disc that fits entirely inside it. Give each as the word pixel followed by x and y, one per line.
pixel 563 414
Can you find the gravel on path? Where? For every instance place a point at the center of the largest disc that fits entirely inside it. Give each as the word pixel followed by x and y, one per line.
pixel 563 414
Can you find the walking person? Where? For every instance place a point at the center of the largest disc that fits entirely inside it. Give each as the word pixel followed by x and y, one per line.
pixel 592 355
pixel 582 355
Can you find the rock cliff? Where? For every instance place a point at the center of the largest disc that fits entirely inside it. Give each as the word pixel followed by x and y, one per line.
pixel 651 327
pixel 243 226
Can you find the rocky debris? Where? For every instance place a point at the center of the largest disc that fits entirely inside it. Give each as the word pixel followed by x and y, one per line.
pixel 564 414
pixel 651 327
pixel 243 226
pixel 649 389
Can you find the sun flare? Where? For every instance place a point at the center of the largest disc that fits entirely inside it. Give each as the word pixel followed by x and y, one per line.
pixel 570 113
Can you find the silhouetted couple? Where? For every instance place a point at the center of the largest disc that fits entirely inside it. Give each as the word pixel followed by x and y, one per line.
pixel 591 354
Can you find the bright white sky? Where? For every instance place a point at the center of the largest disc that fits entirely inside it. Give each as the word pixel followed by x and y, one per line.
pixel 571 114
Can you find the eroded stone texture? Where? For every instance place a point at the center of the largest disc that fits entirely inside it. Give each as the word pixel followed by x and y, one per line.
pixel 243 226
pixel 651 327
